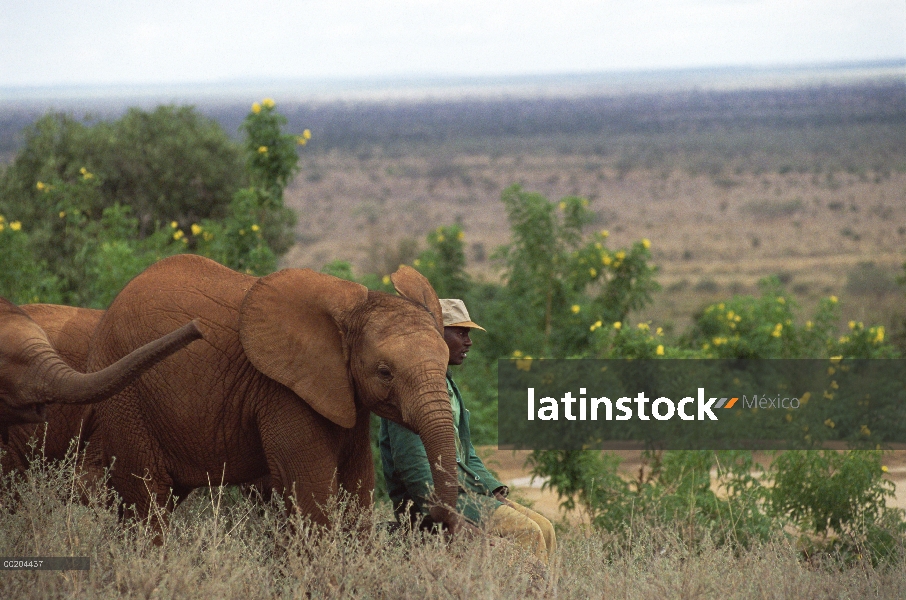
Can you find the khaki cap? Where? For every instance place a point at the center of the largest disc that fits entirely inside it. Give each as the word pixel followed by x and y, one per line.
pixel 456 315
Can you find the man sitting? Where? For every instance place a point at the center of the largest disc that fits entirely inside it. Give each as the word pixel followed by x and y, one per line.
pixel 482 499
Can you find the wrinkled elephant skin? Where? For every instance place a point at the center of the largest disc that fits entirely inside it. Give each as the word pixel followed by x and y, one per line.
pixel 34 373
pixel 282 386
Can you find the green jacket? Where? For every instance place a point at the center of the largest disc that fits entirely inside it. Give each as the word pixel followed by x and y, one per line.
pixel 408 473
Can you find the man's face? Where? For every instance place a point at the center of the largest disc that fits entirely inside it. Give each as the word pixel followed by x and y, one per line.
pixel 458 341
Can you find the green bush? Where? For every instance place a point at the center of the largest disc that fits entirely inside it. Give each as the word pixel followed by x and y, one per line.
pixel 79 245
pixel 170 163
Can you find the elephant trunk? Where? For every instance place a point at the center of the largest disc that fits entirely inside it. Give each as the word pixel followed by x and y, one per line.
pixel 435 428
pixel 52 380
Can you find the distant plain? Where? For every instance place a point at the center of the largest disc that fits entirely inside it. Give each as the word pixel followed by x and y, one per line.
pixel 732 175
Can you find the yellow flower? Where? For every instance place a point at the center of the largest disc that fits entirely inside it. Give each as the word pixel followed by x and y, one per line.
pixel 262 149
pixel 62 214
pixel 178 235
pixel 174 224
pixel 606 260
pixel 659 350
pixel 301 141
pixel 778 328
pixel 41 186
pixel 307 134
pixel 852 324
pixel 604 233
pixel 575 308
pixel 461 236
pixel 829 423
pixel 884 469
pixel 207 236
pixel 808 325
pixel 268 103
pixel 643 326
pixel 255 228
pixel 416 262
pixel 15 225
pixel 2 226
pixel 620 255
pixel 595 325
pixel 864 430
pixel 659 331
pixel 646 243
pixel 593 272
pixel 879 336
pixel 617 325
pixel 440 238
pixel 781 300
pixel 385 279
pixel 256 108
pixel 833 299
pixel 196 228
pixel 788 417
pixel 517 353
pixel 563 206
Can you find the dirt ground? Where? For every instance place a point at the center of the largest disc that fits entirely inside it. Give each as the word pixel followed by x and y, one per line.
pixel 511 469
pixel 711 235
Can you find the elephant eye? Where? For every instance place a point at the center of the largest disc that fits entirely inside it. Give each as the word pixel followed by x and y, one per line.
pixel 385 373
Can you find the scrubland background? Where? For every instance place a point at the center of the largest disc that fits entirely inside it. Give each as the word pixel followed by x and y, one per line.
pixel 803 183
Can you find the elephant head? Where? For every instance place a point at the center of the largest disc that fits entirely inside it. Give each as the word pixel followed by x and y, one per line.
pixel 33 374
pixel 342 349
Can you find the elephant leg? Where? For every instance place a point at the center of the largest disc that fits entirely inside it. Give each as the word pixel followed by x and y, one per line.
pixel 302 457
pixel 138 472
pixel 356 472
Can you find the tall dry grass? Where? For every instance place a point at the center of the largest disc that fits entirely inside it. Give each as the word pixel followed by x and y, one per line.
pixel 221 545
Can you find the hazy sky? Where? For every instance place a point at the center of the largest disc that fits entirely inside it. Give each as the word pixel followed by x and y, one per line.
pixel 45 42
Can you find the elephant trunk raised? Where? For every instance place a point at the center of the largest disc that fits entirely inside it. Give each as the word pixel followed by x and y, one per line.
pixel 50 379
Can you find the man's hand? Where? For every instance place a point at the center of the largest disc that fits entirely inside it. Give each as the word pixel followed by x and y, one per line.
pixel 501 493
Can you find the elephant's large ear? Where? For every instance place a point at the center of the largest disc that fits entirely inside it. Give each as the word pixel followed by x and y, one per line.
pixel 289 326
pixel 411 284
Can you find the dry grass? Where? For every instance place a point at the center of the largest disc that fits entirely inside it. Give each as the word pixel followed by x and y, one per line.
pixel 220 545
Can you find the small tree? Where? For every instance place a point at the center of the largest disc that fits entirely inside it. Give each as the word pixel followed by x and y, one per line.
pixel 560 282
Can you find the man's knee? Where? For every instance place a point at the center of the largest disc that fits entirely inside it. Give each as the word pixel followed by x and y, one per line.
pixel 544 525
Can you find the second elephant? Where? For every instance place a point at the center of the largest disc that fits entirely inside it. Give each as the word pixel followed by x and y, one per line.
pixel 34 373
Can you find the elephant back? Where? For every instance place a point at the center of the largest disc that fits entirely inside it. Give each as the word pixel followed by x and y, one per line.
pixel 165 296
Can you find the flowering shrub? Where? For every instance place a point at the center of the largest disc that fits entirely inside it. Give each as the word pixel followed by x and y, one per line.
pixel 767 327
pixel 81 250
pixel 561 281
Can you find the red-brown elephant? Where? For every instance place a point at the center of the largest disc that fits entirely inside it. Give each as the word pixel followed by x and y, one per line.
pixel 282 385
pixel 34 373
